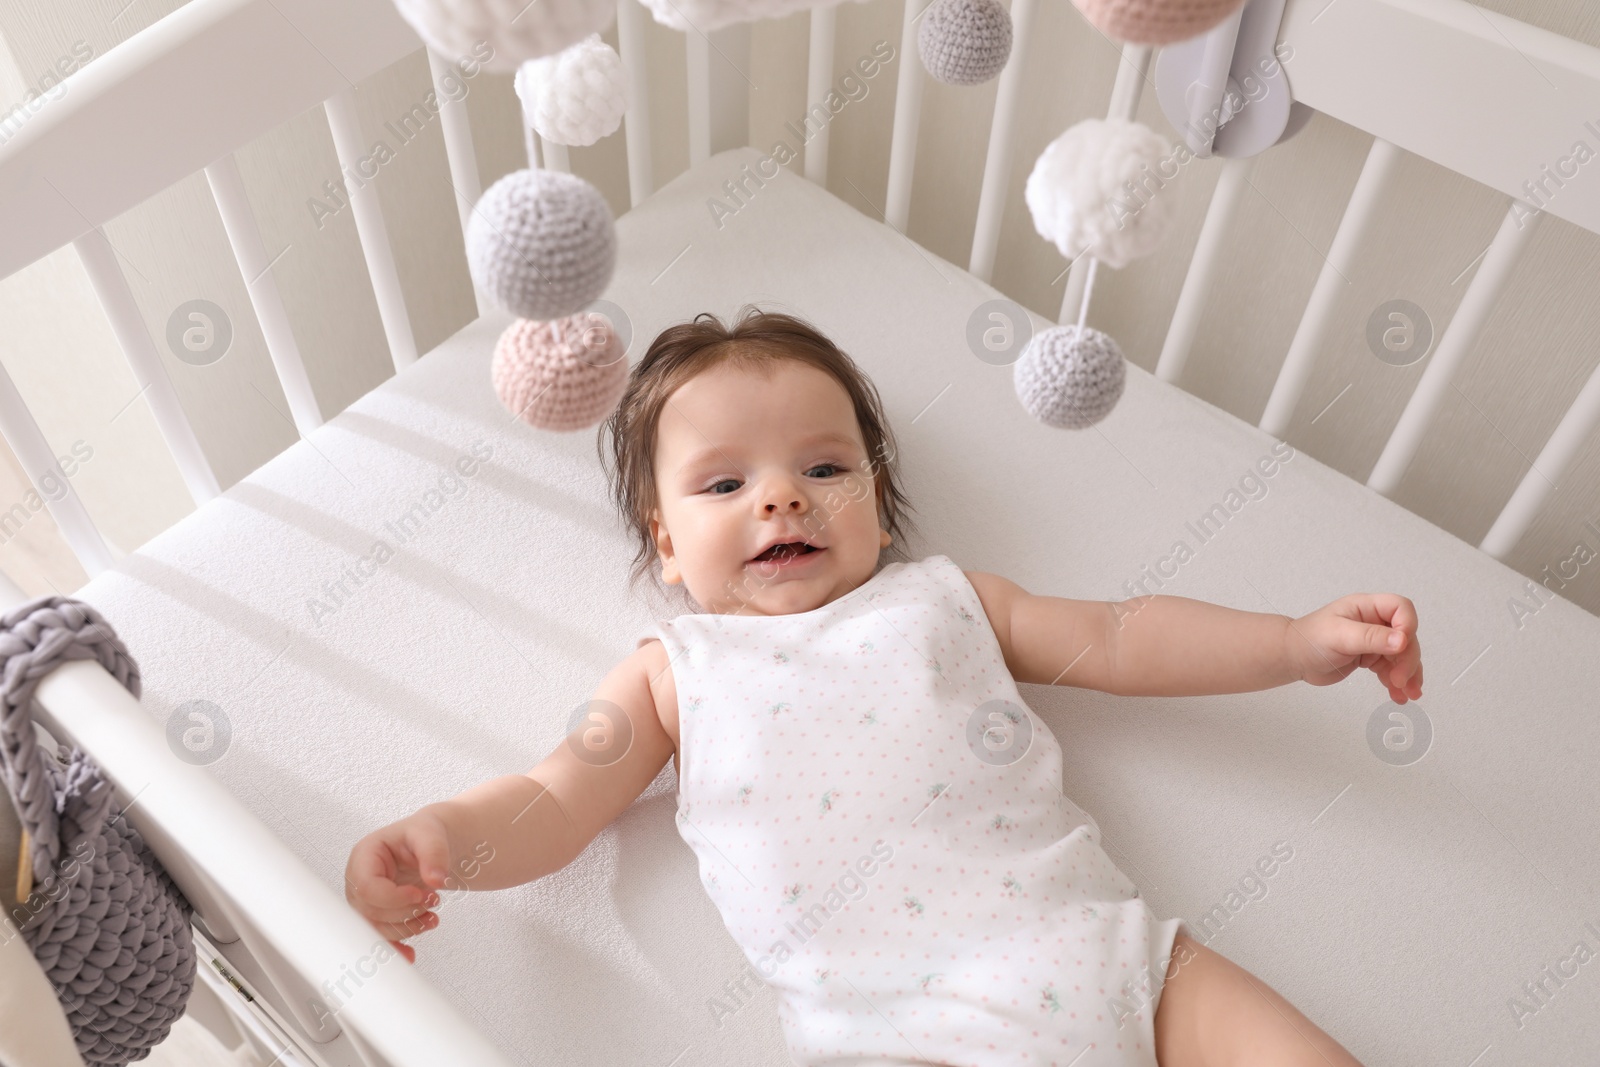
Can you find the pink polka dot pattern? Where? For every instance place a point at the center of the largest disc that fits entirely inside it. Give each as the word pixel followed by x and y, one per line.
pixel 908 899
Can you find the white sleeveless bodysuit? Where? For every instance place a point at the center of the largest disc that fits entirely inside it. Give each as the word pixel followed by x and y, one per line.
pixel 878 817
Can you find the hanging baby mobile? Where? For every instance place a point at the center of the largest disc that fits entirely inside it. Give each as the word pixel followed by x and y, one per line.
pixel 542 245
pixel 1088 193
pixel 964 42
pixel 1157 22
pixel 495 34
pixel 514 32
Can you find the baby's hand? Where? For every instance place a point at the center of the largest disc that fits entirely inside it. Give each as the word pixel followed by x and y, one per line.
pixel 1356 631
pixel 393 873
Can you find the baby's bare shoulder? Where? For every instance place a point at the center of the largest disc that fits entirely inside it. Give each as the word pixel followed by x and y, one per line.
pixel 651 658
pixel 998 595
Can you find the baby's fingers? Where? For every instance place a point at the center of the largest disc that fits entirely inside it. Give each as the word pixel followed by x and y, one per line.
pixel 399 915
pixel 399 931
pixel 1408 668
pixel 371 880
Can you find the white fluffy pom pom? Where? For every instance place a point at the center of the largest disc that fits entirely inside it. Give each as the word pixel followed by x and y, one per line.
pixel 703 16
pixel 578 95
pixel 503 34
pixel 1098 188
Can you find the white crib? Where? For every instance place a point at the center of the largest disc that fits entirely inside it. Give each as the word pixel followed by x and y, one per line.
pixel 203 610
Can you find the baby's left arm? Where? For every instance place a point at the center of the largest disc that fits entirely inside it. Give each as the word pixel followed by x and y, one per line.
pixel 1174 646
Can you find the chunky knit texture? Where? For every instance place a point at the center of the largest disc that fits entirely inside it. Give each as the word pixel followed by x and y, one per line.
pixel 578 95
pixel 105 922
pixel 1098 188
pixel 542 244
pixel 1155 21
pixel 1070 381
pixel 561 375
pixel 510 31
pixel 964 42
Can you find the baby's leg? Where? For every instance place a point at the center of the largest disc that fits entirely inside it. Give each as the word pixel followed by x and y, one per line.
pixel 1214 1013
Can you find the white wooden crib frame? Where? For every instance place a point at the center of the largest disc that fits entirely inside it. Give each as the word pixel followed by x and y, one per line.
pixel 1442 79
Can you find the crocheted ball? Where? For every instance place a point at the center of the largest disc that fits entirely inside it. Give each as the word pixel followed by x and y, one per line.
pixel 578 95
pixel 541 243
pixel 1070 381
pixel 562 375
pixel 510 31
pixel 1155 21
pixel 964 42
pixel 1098 186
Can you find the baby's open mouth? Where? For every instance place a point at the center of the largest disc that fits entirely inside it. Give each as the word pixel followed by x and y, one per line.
pixel 785 551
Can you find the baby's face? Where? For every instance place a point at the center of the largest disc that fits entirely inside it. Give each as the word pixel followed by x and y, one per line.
pixel 743 460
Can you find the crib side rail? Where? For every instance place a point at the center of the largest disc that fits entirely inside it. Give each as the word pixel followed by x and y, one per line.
pixel 184 94
pixel 179 95
pixel 326 973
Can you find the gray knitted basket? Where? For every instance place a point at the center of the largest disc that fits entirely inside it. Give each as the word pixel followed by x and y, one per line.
pixel 105 922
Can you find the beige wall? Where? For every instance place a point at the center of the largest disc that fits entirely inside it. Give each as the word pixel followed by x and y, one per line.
pixel 1537 350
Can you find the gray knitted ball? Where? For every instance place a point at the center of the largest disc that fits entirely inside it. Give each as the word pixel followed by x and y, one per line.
pixel 542 244
pixel 1069 381
pixel 964 42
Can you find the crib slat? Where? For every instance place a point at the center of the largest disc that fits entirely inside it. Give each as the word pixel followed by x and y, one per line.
pixel 1225 200
pixel 555 156
pixel 227 189
pixel 457 129
pixel 1215 62
pixel 1002 138
pixel 631 28
pixel 530 143
pixel 699 62
pixel 139 348
pixel 27 441
pixel 458 149
pixel 1488 282
pixel 819 74
pixel 1554 459
pixel 345 127
pixel 1336 267
pixel 907 114
pixel 1124 104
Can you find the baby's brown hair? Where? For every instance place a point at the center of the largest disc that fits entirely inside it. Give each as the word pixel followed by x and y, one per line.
pixel 757 341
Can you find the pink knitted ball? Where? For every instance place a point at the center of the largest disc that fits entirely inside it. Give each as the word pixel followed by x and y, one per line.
pixel 563 374
pixel 1155 21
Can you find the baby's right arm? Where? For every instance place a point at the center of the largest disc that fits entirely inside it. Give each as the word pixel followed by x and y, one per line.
pixel 518 827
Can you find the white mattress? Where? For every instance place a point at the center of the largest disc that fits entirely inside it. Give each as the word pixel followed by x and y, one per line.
pixel 1418 901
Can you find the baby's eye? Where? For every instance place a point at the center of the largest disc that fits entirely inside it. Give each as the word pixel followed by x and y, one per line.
pixel 832 468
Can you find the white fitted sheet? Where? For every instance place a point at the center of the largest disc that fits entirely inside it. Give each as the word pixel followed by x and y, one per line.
pixel 1419 898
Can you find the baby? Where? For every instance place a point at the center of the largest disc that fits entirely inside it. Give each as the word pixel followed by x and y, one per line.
pixel 876 813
